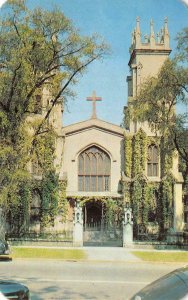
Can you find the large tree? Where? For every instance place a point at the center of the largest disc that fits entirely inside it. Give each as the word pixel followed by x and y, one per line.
pixel 38 49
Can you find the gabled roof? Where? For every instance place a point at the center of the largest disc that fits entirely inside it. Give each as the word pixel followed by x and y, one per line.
pixel 93 123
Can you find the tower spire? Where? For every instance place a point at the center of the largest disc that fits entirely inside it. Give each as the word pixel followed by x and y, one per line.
pixel 137 32
pixel 152 34
pixel 166 34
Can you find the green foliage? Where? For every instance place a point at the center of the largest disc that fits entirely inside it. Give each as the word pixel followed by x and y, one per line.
pixel 136 198
pixel 113 212
pixel 126 118
pixel 135 164
pixel 139 200
pixel 181 144
pixel 44 151
pixel 44 253
pixel 182 47
pixel 161 256
pixel 62 200
pixel 53 199
pixel 143 194
pixel 42 56
pixel 84 200
pixel 158 97
pixel 165 204
pixel 112 209
pixel 128 155
pixel 20 207
pixel 49 201
pixel 155 103
pixel 139 152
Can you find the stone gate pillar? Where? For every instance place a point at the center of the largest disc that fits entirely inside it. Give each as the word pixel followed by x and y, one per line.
pixel 127 227
pixel 178 222
pixel 78 226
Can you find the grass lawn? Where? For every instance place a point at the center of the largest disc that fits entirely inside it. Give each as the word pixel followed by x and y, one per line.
pixel 162 256
pixel 47 253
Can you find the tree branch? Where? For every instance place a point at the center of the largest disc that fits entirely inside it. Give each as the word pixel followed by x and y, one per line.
pixel 12 86
pixel 184 156
pixel 59 94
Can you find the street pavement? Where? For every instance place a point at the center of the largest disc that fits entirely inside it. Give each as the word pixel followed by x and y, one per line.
pixel 106 274
pixel 82 280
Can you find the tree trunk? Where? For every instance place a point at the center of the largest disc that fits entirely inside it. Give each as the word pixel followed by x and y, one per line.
pixel 2 224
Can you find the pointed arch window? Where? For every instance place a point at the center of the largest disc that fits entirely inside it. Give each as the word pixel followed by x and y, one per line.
pixel 94 170
pixel 153 161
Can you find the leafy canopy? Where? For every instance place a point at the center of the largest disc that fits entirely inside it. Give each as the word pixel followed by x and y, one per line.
pixel 39 50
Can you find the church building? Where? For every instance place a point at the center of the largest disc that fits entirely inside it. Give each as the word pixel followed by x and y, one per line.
pixel 106 170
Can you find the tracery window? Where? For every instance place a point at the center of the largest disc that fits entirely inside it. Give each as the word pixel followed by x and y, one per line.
pixel 153 161
pixel 94 170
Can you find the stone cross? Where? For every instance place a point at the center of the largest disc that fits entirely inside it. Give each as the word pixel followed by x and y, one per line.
pixel 94 98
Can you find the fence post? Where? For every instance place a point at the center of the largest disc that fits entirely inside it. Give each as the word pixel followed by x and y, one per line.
pixel 127 227
pixel 78 226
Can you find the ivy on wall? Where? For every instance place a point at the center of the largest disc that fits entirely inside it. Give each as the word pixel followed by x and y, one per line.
pixel 112 208
pixel 128 154
pixel 19 212
pixel 165 204
pixel 62 200
pixel 51 191
pixel 150 201
pixel 139 152
pixel 49 203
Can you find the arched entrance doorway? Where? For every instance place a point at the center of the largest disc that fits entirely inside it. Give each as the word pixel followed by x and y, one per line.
pixel 93 215
pixel 97 230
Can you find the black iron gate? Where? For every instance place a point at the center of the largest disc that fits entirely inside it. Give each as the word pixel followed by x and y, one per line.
pixel 98 231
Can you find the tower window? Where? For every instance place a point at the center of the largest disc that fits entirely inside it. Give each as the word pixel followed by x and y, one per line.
pixel 153 161
pixel 94 170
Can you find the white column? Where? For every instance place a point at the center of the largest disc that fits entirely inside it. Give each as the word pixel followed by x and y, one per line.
pixel 127 227
pixel 178 208
pixel 78 226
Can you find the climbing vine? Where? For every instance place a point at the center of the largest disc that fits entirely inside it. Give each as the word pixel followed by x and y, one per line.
pixel 112 208
pixel 150 201
pixel 50 191
pixel 62 202
pixel 165 206
pixel 139 152
pixel 49 203
pixel 19 212
pixel 128 154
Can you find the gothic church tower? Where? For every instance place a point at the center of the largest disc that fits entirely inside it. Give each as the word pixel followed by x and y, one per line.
pixel 144 159
pixel 146 59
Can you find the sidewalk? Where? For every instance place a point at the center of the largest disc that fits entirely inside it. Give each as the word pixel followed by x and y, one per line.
pixel 109 254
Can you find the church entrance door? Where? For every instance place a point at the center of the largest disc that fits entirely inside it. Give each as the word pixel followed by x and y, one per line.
pixel 97 231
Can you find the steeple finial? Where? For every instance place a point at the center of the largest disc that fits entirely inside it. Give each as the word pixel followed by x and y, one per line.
pixel 152 34
pixel 158 37
pixel 132 38
pixel 166 33
pixel 137 32
pixel 138 24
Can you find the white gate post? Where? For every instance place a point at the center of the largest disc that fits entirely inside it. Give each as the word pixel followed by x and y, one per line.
pixel 127 227
pixel 78 226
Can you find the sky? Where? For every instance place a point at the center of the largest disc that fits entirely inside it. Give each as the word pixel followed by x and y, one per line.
pixel 114 20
